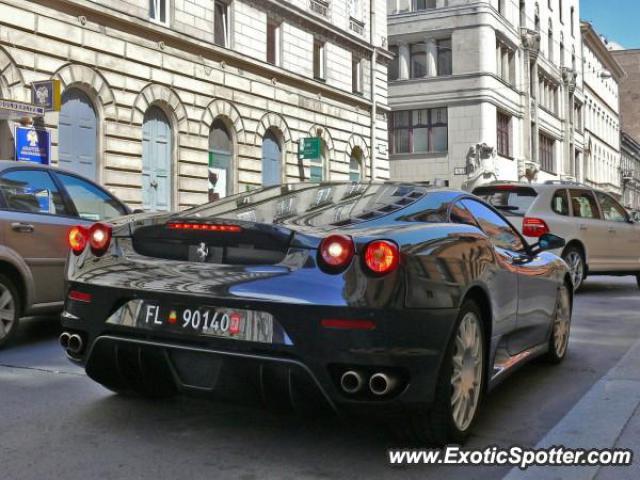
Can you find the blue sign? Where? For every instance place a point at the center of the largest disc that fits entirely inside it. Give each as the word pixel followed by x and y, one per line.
pixel 33 145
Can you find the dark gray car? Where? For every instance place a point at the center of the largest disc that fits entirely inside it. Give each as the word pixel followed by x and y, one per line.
pixel 38 205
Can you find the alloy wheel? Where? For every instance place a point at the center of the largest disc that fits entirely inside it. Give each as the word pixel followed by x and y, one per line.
pixel 576 266
pixel 7 311
pixel 562 323
pixel 466 379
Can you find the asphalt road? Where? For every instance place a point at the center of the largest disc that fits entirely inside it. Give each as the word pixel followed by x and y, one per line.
pixel 56 423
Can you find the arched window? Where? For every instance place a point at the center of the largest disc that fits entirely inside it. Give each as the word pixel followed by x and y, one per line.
pixel 78 134
pixel 271 159
pixel 561 49
pixel 356 164
pixel 220 160
pixel 157 154
pixel 536 19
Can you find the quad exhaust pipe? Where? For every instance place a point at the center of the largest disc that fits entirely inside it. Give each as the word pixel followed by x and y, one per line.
pixel 72 343
pixel 380 383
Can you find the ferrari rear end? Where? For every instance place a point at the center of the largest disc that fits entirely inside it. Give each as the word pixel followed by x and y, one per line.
pixel 281 309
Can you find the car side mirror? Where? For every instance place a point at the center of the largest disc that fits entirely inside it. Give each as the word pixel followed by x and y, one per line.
pixel 548 241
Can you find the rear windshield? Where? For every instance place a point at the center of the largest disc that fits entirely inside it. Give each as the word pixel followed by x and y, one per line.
pixel 336 204
pixel 509 199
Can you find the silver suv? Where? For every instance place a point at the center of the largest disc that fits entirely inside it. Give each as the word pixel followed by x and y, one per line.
pixel 601 236
pixel 38 205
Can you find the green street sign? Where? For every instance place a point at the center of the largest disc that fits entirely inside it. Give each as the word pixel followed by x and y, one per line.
pixel 309 148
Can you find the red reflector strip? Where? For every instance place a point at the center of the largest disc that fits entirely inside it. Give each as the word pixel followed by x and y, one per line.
pixel 345 324
pixel 205 227
pixel 77 296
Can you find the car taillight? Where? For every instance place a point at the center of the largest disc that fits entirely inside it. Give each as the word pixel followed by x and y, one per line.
pixel 381 257
pixel 534 227
pixel 77 238
pixel 99 238
pixel 336 252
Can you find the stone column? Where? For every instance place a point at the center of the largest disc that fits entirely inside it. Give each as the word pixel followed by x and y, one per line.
pixel 404 67
pixel 431 48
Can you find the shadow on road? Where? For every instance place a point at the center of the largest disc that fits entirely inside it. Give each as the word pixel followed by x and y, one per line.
pixel 33 330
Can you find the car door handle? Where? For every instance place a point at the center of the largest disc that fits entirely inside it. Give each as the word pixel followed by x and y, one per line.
pixel 612 230
pixel 22 227
pixel 583 227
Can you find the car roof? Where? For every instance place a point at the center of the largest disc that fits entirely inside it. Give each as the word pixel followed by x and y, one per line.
pixel 7 164
pixel 549 185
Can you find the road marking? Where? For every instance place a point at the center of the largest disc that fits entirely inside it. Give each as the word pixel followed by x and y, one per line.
pixel 596 421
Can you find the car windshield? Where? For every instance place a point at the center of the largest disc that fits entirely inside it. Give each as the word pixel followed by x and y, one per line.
pixel 509 199
pixel 325 204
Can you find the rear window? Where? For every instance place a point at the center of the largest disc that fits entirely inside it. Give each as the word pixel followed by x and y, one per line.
pixel 509 199
pixel 336 204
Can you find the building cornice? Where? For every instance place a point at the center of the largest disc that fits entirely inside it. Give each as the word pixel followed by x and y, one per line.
pixel 592 40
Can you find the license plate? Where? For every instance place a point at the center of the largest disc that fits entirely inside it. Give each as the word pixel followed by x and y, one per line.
pixel 236 324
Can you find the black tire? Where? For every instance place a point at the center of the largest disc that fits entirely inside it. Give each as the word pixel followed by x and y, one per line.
pixel 10 310
pixel 437 426
pixel 570 254
pixel 557 354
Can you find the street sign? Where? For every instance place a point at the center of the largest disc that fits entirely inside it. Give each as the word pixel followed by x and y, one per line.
pixel 309 148
pixel 33 145
pixel 12 109
pixel 46 95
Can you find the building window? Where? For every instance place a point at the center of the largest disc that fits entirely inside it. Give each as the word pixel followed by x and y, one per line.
pixel 562 49
pixel 355 165
pixel 560 11
pixel 319 59
pixel 523 13
pixel 221 32
pixel 536 18
pixel 273 42
pixel 418 60
pixel 505 62
pixel 159 11
pixel 404 6
pixel 394 66
pixel 504 135
pixel 547 157
pixel 572 21
pixel 548 94
pixel 501 7
pixel 419 131
pixel 550 42
pixel 356 75
pixel 445 57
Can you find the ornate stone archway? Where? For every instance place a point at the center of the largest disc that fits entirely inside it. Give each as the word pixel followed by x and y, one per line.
pixel 93 83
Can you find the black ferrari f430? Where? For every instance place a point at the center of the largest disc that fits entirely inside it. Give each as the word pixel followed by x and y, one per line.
pixel 396 299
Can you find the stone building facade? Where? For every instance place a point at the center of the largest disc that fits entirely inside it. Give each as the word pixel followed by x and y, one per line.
pixel 602 75
pixel 502 73
pixel 629 60
pixel 158 94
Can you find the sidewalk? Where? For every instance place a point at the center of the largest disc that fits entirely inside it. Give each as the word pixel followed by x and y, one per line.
pixel 608 415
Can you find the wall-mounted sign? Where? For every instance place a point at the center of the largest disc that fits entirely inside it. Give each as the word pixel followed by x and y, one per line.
pixel 16 110
pixel 33 145
pixel 309 148
pixel 46 95
pixel 460 171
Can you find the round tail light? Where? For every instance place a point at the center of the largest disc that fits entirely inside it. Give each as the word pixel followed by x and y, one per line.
pixel 99 238
pixel 77 238
pixel 381 257
pixel 336 252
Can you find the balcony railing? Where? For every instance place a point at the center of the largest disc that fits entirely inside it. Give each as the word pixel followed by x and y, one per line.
pixel 321 7
pixel 395 7
pixel 356 26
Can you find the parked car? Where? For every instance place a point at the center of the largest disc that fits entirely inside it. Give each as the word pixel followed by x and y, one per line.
pixel 38 205
pixel 601 236
pixel 386 297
